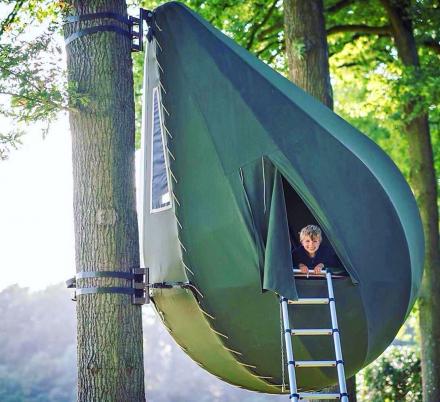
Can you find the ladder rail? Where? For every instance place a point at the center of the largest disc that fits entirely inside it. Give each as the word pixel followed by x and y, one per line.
pixel 311 274
pixel 293 390
pixel 336 339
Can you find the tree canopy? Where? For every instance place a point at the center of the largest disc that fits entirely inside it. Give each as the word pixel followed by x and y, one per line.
pixel 365 69
pixel 374 87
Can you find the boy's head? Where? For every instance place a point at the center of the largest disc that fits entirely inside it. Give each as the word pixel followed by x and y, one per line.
pixel 310 238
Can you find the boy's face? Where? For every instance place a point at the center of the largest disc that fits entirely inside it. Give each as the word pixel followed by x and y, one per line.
pixel 311 245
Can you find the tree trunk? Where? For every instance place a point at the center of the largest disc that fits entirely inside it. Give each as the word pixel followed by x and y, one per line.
pixel 423 182
pixel 307 55
pixel 110 360
pixel 306 48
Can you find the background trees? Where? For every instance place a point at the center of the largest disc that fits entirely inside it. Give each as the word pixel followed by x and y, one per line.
pixel 383 58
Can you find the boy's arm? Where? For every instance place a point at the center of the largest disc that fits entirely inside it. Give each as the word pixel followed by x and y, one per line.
pixel 297 261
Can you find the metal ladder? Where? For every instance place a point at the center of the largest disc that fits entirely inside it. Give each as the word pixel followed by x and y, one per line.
pixel 292 364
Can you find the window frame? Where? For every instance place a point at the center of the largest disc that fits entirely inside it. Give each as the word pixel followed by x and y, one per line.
pixel 169 205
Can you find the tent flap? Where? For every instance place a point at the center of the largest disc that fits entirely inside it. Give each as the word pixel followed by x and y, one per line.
pixel 278 275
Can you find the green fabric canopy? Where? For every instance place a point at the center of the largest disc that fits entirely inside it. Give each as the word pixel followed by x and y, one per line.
pixel 235 161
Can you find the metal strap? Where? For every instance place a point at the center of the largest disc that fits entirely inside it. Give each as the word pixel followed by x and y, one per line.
pixel 101 28
pixel 94 16
pixel 183 285
pixel 135 36
pixel 119 290
pixel 105 274
pixel 137 276
pixel 71 283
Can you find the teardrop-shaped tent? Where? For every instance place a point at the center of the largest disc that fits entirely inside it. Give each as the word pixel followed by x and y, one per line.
pixel 235 159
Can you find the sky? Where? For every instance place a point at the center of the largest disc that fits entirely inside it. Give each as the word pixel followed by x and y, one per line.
pixel 36 211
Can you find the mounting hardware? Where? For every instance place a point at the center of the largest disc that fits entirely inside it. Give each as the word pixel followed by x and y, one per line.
pixel 135 31
pixel 138 278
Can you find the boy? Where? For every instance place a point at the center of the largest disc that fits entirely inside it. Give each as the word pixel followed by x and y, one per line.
pixel 311 255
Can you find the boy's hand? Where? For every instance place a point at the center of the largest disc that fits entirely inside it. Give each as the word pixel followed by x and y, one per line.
pixel 303 268
pixel 318 269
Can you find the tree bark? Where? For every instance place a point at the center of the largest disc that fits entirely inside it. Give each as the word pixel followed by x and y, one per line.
pixel 307 56
pixel 110 360
pixel 423 182
pixel 306 48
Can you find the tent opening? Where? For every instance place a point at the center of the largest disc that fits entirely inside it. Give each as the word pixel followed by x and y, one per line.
pixel 299 216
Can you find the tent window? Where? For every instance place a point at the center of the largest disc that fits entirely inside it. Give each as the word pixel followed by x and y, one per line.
pixel 160 191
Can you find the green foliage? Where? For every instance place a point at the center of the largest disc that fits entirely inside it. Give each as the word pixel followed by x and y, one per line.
pixel 395 376
pixel 8 141
pixel 298 49
pixel 31 76
pixel 371 85
pixel 33 84
pixel 257 25
pixel 33 87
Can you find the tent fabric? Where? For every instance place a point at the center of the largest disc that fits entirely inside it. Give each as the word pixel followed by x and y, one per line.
pixel 254 159
pixel 278 256
pixel 263 188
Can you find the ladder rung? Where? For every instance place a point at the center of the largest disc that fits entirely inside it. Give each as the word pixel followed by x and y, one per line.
pixel 310 300
pixel 301 332
pixel 315 363
pixel 318 395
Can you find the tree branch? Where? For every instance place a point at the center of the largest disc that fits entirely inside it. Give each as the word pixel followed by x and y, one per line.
pixel 431 44
pixel 339 6
pixel 353 38
pixel 36 100
pixel 266 47
pixel 348 65
pixel 360 28
pixel 275 27
pixel 11 17
pixel 256 27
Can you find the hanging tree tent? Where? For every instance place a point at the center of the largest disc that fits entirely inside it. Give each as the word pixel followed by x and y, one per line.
pixel 235 159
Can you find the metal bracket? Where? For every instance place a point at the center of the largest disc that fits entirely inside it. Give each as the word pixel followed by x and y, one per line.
pixel 182 285
pixel 139 281
pixel 135 35
pixel 137 44
pixel 140 285
pixel 138 278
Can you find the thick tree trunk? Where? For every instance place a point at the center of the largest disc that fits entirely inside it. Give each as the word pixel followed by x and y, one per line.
pixel 110 361
pixel 422 176
pixel 306 48
pixel 307 55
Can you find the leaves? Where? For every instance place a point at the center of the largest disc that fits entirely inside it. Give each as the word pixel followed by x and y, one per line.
pixel 33 83
pixel 9 140
pixel 395 376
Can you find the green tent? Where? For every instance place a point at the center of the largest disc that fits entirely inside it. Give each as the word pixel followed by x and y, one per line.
pixel 236 159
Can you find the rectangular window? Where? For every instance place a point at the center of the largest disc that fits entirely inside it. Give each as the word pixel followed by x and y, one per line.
pixel 160 191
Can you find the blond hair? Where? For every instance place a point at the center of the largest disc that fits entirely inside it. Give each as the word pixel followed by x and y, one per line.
pixel 312 231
